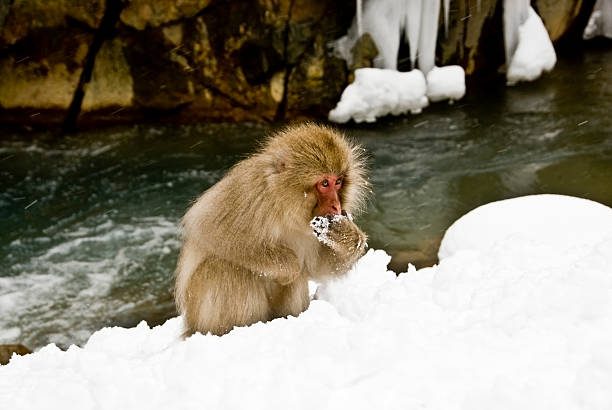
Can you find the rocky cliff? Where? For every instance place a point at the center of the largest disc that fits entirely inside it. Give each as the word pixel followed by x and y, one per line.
pixel 112 60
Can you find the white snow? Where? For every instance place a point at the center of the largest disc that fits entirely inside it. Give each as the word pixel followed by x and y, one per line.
pixel 446 83
pixel 517 315
pixel 534 53
pixel 379 92
pixel 320 227
pixel 600 22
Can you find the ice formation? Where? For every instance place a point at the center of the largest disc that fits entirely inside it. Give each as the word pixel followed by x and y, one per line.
pixel 534 52
pixel 379 92
pixel 600 22
pixel 386 21
pixel 529 51
pixel 517 315
pixel 515 14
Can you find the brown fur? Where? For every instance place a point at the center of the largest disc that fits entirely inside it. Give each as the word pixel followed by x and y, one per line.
pixel 248 250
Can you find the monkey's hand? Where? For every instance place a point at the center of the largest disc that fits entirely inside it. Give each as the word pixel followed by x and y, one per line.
pixel 338 232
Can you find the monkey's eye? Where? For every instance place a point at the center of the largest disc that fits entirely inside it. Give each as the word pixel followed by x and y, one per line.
pixel 339 181
pixel 324 183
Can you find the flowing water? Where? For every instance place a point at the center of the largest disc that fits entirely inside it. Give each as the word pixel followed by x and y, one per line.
pixel 89 223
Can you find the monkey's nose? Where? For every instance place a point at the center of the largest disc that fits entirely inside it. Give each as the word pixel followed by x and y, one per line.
pixel 336 208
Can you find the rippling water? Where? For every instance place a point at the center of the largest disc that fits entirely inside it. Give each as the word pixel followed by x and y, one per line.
pixel 88 223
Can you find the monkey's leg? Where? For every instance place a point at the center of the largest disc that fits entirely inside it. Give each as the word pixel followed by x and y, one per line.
pixel 221 295
pixel 290 300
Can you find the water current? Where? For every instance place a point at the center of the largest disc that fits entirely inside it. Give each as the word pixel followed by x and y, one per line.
pixel 89 222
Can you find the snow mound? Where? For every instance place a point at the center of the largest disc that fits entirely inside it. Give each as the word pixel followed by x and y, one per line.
pixel 446 83
pixel 379 92
pixel 534 54
pixel 518 314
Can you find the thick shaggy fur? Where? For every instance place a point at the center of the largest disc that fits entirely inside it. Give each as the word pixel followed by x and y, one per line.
pixel 248 249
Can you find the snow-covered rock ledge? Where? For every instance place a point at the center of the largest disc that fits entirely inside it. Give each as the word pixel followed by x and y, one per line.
pixel 517 315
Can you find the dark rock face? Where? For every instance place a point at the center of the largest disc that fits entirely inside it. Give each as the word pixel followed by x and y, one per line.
pixel 475 36
pixel 222 59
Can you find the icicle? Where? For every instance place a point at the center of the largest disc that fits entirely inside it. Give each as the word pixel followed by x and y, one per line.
pixel 413 27
pixel 383 20
pixel 446 13
pixel 429 34
pixel 515 14
pixel 359 7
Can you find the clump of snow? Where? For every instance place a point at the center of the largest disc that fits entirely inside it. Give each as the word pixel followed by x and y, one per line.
pixel 320 226
pixel 379 92
pixel 600 22
pixel 446 83
pixel 518 314
pixel 534 53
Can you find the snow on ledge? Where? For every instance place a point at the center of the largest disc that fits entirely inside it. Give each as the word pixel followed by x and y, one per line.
pixel 518 314
pixel 446 83
pixel 377 92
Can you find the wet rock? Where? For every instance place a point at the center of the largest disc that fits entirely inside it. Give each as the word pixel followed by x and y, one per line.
pixel 475 37
pixel 111 84
pixel 43 69
pixel 559 15
pixel 147 13
pixel 24 17
pixel 363 52
pixel 316 82
pixel 6 352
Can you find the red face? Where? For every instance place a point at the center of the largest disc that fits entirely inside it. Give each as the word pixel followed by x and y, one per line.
pixel 328 200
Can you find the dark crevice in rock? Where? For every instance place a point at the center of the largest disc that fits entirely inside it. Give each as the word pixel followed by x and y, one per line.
pixel 104 31
pixel 571 40
pixel 282 106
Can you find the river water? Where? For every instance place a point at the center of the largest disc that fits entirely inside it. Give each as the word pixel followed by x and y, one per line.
pixel 89 223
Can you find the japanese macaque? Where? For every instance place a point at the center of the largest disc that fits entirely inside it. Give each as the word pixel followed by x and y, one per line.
pixel 277 219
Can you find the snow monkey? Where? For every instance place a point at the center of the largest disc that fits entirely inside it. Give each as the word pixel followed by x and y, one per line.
pixel 277 219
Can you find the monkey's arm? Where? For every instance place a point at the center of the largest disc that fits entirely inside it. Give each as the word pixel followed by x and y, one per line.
pixel 275 262
pixel 343 243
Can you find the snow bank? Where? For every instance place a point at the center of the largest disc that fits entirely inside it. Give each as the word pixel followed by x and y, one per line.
pixel 518 314
pixel 534 53
pixel 379 92
pixel 446 83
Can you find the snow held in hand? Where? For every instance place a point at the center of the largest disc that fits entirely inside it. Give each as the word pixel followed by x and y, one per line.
pixel 517 315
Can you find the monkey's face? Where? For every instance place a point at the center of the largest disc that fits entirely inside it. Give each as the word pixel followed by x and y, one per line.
pixel 327 190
